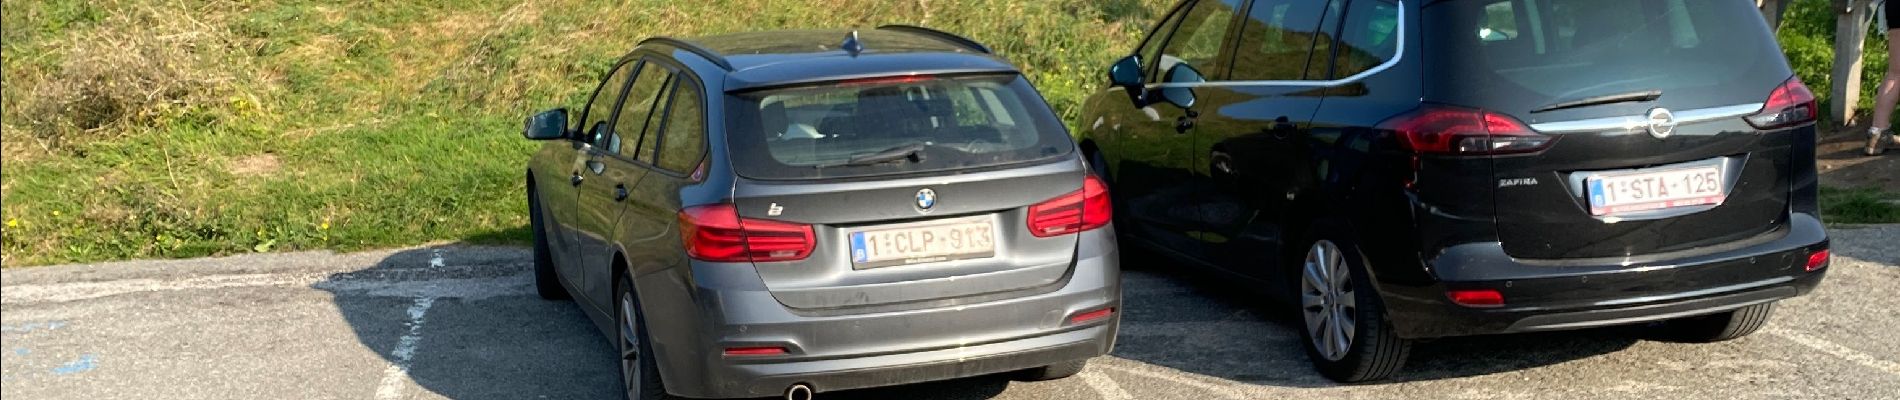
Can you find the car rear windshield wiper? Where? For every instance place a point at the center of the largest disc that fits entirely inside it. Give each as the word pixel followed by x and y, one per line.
pixel 1601 100
pixel 913 152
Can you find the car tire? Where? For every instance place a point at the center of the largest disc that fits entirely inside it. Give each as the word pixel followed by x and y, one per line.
pixel 1053 371
pixel 1372 351
pixel 1721 326
pixel 639 372
pixel 546 283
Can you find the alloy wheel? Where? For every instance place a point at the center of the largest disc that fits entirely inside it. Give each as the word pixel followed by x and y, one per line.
pixel 629 344
pixel 1327 302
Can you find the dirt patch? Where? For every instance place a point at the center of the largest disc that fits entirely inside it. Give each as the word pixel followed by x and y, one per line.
pixel 257 165
pixel 1842 164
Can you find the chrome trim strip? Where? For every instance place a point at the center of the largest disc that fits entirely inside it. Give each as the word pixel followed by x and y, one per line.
pixel 1396 57
pixel 1635 122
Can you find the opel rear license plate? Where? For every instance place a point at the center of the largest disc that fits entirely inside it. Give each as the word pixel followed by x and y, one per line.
pixel 1646 190
pixel 956 240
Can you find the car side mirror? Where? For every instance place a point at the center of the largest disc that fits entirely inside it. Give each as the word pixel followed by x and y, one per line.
pixel 1178 87
pixel 547 125
pixel 1126 74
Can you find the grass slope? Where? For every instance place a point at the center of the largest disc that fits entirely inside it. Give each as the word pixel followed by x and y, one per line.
pixel 142 128
pixel 145 128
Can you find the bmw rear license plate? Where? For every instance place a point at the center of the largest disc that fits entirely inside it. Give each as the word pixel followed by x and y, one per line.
pixel 1655 189
pixel 924 243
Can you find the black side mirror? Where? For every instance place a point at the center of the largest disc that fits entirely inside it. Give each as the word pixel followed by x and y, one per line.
pixel 548 125
pixel 1177 88
pixel 1126 74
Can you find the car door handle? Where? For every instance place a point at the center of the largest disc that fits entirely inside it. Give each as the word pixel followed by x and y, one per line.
pixel 620 192
pixel 1184 124
pixel 576 179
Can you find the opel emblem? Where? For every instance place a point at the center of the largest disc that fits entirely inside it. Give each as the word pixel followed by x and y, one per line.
pixel 1662 123
pixel 926 199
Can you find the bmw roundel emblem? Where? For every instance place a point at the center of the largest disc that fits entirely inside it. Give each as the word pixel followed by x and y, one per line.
pixel 926 199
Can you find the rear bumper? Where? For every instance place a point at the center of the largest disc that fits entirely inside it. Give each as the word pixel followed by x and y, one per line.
pixel 859 350
pixel 1575 294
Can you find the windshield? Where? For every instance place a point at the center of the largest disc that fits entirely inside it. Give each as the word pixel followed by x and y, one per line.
pixel 1519 55
pixel 892 126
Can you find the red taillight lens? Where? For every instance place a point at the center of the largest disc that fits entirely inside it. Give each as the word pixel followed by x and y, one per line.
pixel 1791 104
pixel 1445 130
pixel 1077 211
pixel 1483 298
pixel 1818 260
pixel 755 351
pixel 715 232
pixel 1091 316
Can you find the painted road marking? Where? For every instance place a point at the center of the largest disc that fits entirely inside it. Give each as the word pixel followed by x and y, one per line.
pixel 398 370
pixel 435 258
pixel 513 282
pixel 1837 350
pixel 86 362
pixel 32 326
pixel 1104 386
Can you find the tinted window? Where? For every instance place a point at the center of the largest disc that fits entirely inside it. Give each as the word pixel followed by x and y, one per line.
pixel 636 112
pixel 600 108
pixel 1368 37
pixel 1517 55
pixel 1198 41
pixel 832 130
pixel 1151 48
pixel 684 141
pixel 1322 62
pixel 1277 40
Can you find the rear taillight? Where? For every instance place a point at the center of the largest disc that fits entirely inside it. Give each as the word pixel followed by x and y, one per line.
pixel 1446 130
pixel 1077 211
pixel 1818 260
pixel 714 232
pixel 1791 104
pixel 1480 298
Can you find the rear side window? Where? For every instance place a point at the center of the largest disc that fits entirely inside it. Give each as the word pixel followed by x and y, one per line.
pixel 685 139
pixel 1276 41
pixel 1518 55
pixel 893 126
pixel 1368 37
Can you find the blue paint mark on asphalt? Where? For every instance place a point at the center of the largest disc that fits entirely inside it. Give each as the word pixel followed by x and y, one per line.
pixel 83 364
pixel 21 351
pixel 32 326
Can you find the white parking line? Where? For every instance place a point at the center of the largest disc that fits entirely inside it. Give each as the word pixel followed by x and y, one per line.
pixel 1837 350
pixel 393 377
pixel 1225 391
pixel 1104 386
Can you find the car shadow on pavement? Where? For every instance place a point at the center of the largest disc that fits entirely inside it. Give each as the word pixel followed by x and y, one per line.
pixel 1197 322
pixel 466 324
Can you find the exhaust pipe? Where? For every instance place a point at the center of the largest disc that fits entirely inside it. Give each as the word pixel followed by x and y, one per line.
pixel 798 391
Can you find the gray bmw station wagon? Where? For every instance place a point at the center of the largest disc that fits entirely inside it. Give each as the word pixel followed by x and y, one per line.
pixel 782 213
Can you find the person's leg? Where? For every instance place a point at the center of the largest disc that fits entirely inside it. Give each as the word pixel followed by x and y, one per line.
pixel 1888 97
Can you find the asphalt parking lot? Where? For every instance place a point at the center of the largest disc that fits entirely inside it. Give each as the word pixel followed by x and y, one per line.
pixel 462 322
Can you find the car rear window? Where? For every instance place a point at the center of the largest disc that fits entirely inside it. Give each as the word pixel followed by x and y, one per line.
pixel 1519 55
pixel 840 129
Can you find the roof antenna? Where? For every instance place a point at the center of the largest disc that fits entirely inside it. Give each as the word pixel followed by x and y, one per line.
pixel 852 45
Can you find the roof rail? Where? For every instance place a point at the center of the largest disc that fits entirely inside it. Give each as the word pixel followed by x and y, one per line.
pixel 702 51
pixel 940 35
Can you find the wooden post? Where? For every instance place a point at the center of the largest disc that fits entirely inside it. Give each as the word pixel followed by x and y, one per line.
pixel 1850 38
pixel 1772 11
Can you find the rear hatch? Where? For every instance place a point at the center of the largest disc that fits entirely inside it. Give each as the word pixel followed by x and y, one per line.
pixel 920 191
pixel 1656 111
